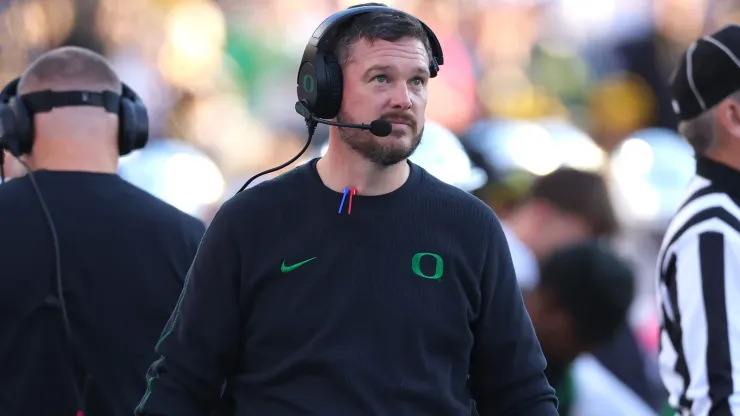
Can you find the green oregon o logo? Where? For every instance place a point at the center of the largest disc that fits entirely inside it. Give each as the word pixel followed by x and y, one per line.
pixel 438 268
pixel 308 83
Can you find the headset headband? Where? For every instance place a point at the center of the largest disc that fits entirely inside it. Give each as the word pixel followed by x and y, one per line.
pixel 16 114
pixel 319 38
pixel 45 101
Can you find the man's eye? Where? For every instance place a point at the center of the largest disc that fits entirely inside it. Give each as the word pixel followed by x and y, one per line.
pixel 417 81
pixel 380 78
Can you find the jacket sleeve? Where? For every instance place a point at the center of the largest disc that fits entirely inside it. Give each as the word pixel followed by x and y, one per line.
pixel 507 365
pixel 199 344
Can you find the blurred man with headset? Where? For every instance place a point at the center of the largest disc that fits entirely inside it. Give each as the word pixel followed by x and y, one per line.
pixel 698 270
pixel 92 266
pixel 356 283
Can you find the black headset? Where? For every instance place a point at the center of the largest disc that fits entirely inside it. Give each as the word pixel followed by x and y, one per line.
pixel 320 74
pixel 16 115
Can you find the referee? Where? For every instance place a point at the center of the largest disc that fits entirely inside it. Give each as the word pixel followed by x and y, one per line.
pixel 699 263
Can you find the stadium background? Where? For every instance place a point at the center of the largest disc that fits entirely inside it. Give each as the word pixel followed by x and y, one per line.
pixel 527 86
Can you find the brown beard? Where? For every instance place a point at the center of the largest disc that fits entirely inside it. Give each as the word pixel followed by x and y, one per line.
pixel 369 147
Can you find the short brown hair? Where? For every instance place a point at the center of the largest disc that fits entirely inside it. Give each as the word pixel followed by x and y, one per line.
pixel 699 132
pixel 580 193
pixel 389 25
pixel 70 67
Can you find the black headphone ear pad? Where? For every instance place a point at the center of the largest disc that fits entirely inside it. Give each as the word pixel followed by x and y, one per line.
pixel 334 87
pixel 7 124
pixel 142 126
pixel 23 125
pixel 126 127
pixel 133 119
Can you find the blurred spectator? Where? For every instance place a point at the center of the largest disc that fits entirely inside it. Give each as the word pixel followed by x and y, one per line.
pixel 563 207
pixel 654 54
pixel 566 207
pixel 452 97
pixel 580 302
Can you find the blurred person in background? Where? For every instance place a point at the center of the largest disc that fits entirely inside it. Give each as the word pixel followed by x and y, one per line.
pixel 580 302
pixel 86 290
pixel 343 316
pixel 566 207
pixel 563 207
pixel 454 104
pixel 698 268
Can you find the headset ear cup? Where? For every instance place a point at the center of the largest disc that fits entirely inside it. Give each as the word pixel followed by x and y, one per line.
pixel 133 120
pixel 142 125
pixel 126 127
pixel 307 86
pixel 333 87
pixel 23 125
pixel 8 134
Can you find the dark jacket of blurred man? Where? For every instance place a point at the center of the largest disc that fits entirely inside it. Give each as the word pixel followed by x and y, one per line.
pixel 580 302
pixel 122 253
pixel 565 207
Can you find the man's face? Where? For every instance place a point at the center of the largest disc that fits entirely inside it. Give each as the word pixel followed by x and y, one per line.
pixel 553 325
pixel 555 229
pixel 565 229
pixel 385 80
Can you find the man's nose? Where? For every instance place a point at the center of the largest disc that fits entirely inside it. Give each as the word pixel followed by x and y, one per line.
pixel 401 99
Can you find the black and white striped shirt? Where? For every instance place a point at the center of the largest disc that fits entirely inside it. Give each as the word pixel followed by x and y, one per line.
pixel 699 295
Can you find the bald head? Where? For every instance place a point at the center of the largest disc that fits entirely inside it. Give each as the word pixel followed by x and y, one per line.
pixel 69 68
pixel 73 137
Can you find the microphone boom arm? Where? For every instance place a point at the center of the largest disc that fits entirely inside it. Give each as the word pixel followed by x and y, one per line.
pixel 380 127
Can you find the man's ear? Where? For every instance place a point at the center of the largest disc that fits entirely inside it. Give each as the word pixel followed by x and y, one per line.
pixel 728 115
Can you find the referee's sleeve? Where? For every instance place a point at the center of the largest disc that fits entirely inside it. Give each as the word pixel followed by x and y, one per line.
pixel 707 295
pixel 199 344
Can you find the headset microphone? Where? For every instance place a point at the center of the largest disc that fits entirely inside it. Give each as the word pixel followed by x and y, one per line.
pixel 380 128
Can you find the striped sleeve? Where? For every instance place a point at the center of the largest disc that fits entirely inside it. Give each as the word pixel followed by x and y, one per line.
pixel 699 294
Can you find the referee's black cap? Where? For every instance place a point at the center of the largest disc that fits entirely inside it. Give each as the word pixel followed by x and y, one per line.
pixel 708 73
pixel 593 285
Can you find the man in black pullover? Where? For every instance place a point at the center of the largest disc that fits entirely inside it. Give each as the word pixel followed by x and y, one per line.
pixel 356 284
pixel 122 253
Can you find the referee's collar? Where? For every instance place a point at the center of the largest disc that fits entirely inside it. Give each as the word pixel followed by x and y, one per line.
pixel 721 175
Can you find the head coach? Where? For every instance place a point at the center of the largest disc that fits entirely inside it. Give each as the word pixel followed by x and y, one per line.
pixel 356 283
pixel 698 270
pixel 91 266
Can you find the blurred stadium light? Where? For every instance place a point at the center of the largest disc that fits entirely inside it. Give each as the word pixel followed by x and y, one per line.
pixel 650 171
pixel 175 172
pixel 538 147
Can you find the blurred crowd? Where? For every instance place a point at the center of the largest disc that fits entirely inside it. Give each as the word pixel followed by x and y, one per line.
pixel 528 87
